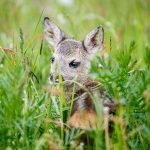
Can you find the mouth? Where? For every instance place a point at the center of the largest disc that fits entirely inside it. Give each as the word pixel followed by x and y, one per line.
pixel 64 82
pixel 57 81
pixel 54 83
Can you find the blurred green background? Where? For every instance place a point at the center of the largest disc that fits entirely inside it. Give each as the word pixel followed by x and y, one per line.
pixel 122 20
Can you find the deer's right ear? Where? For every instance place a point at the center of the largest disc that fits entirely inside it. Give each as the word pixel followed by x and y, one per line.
pixel 52 32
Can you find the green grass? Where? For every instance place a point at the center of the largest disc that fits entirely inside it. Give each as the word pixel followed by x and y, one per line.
pixel 30 118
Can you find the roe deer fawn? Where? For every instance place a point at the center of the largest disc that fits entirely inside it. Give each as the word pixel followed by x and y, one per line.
pixel 71 59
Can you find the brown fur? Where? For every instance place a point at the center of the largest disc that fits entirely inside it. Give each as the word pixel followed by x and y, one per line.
pixel 66 51
pixel 84 119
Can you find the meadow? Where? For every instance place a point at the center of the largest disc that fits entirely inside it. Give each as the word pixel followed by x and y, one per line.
pixel 32 118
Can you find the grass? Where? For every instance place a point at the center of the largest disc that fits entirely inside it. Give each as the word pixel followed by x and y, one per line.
pixel 30 117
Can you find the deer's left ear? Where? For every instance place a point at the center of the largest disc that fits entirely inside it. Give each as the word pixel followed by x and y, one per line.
pixel 53 34
pixel 94 40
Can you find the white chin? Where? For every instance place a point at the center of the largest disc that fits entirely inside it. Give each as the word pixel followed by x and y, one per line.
pixel 67 82
pixel 53 83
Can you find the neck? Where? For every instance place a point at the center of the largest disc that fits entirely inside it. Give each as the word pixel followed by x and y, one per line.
pixel 76 87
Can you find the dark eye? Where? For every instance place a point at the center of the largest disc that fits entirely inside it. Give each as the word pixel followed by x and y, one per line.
pixel 74 64
pixel 52 59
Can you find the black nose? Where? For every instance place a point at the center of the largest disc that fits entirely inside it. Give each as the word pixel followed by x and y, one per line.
pixel 51 77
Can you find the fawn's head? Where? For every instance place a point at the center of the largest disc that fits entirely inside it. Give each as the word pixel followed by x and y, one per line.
pixel 71 58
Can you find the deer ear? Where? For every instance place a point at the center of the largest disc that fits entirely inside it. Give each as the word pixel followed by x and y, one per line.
pixel 94 40
pixel 52 32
